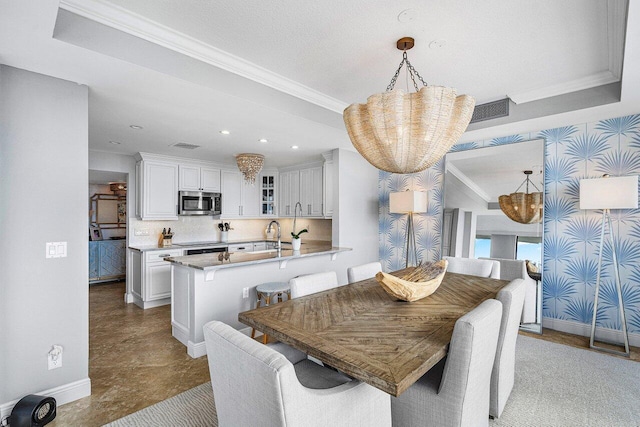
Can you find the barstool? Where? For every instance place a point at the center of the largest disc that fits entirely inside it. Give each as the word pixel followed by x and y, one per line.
pixel 270 291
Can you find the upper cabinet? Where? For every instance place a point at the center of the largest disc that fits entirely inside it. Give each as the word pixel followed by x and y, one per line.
pixel 311 191
pixel 239 199
pixel 289 192
pixel 268 194
pixel 303 186
pixel 157 189
pixel 328 176
pixel 199 178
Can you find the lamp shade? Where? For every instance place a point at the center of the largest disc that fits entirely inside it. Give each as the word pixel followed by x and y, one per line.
pixel 408 201
pixel 609 193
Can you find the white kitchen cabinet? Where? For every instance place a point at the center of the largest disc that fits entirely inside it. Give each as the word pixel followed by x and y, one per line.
pixel 241 247
pixel 199 178
pixel 304 186
pixel 259 246
pixel 268 195
pixel 157 190
pixel 327 187
pixel 239 199
pixel 151 277
pixel 311 191
pixel 289 190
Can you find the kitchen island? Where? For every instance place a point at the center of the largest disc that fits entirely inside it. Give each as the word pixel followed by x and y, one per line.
pixel 218 286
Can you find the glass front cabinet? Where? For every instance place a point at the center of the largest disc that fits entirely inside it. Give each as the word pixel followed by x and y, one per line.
pixel 268 194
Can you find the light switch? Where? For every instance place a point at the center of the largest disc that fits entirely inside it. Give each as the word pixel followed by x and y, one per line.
pixel 56 250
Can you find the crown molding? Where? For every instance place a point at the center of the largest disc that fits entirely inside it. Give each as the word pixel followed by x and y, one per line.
pixel 616 30
pixel 468 182
pixel 617 11
pixel 587 82
pixel 136 25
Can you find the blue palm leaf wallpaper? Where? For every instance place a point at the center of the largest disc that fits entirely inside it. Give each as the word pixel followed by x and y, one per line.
pixel 571 237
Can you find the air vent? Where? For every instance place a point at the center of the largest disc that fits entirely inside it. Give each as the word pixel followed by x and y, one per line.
pixel 186 146
pixel 490 110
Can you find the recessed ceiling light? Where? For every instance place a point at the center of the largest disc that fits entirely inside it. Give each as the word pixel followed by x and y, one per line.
pixel 115 142
pixel 263 140
pixel 294 147
pixel 407 15
pixel 136 127
pixel 225 132
pixel 437 44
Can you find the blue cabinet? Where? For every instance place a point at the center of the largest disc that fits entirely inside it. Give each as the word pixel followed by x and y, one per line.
pixel 107 260
pixel 93 260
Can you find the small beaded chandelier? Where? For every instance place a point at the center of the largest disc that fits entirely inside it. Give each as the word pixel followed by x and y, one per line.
pixel 525 208
pixel 408 132
pixel 250 165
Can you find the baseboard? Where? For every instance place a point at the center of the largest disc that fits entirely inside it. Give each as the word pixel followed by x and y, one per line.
pixel 199 349
pixel 63 394
pixel 128 298
pixel 583 329
pixel 150 304
pixel 180 333
pixel 196 349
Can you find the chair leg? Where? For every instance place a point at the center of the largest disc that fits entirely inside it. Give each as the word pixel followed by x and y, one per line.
pixel 258 298
pixel 265 338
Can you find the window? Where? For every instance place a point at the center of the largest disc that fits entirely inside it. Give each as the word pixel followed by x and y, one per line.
pixel 482 247
pixel 529 248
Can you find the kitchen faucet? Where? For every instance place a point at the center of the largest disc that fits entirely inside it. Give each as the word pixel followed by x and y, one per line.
pixel 295 214
pixel 279 244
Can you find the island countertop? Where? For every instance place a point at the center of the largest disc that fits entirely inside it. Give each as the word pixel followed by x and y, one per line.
pixel 215 261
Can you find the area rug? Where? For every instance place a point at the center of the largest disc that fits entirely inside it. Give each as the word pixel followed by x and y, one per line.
pixel 555 385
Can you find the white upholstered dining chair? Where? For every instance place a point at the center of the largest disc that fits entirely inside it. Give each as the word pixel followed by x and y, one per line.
pixel 362 272
pixel 502 377
pixel 254 385
pixel 455 392
pixel 473 267
pixel 312 283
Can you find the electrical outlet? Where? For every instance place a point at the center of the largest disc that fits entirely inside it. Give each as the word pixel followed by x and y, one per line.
pixel 245 293
pixel 54 357
pixel 141 232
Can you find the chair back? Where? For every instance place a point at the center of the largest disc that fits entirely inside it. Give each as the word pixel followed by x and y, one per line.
pixel 502 377
pixel 243 370
pixel 473 267
pixel 312 283
pixel 362 272
pixel 467 372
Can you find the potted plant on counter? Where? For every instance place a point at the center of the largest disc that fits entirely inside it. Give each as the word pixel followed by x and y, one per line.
pixel 297 241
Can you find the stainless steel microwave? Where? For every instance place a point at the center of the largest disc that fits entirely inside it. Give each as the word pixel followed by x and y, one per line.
pixel 199 203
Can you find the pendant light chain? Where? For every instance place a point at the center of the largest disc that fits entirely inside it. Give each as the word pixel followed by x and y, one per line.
pixel 412 72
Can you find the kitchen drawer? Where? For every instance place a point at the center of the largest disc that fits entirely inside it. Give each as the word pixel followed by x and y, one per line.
pixel 159 255
pixel 245 247
pixel 260 246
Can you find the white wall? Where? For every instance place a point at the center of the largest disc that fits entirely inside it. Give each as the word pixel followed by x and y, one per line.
pixel 355 215
pixel 43 198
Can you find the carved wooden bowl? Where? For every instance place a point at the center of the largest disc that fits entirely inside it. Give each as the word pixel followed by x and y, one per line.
pixel 408 290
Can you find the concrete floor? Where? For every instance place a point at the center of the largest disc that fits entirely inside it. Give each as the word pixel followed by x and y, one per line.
pixel 134 361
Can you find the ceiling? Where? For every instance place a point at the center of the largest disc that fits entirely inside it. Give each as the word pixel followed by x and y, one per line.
pixel 184 70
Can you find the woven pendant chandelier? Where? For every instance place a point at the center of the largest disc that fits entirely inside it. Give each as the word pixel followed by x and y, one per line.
pixel 525 208
pixel 250 165
pixel 408 132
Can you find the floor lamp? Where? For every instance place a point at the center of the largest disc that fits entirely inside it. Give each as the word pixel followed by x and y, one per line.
pixel 409 202
pixel 608 193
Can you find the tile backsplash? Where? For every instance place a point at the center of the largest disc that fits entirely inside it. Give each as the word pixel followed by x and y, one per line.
pixel 205 229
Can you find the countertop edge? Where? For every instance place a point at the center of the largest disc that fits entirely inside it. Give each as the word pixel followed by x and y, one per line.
pixel 333 250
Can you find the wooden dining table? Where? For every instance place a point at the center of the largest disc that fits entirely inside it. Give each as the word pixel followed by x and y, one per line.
pixel 370 335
